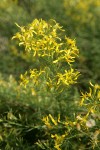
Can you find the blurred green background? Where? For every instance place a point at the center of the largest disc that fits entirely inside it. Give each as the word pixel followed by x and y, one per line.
pixel 81 21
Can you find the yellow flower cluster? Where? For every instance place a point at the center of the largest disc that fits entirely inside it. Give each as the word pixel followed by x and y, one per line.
pixel 50 122
pixel 82 122
pixel 91 98
pixel 40 37
pixel 43 40
pixel 47 119
pixel 67 78
pixel 58 140
pixel 34 75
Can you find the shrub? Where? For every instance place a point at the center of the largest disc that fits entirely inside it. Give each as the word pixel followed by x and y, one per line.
pixel 50 80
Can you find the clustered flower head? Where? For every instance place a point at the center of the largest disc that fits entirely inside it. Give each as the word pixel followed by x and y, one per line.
pixel 43 39
pixel 46 43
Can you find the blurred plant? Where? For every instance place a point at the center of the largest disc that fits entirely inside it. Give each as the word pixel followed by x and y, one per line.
pixel 82 14
pixel 8 17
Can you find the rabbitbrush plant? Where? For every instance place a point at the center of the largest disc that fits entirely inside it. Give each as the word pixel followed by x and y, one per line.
pixel 50 81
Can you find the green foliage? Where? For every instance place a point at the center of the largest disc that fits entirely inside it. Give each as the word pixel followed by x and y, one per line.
pixel 49 83
pixel 85 125
pixel 8 17
pixel 46 111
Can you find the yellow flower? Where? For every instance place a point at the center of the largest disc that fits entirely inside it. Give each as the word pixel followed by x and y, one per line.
pixel 46 121
pixel 58 139
pixel 52 119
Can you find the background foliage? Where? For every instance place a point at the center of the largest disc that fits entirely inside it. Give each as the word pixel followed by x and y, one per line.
pixel 23 118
